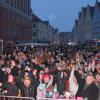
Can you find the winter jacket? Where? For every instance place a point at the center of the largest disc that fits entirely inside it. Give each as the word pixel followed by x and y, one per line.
pixel 61 83
pixel 81 83
pixel 99 94
pixel 91 92
pixel 28 92
pixel 12 89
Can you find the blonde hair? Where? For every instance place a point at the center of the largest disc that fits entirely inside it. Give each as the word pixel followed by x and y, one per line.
pixel 27 78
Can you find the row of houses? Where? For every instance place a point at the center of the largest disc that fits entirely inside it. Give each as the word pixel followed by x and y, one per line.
pixel 87 26
pixel 19 24
pixel 66 37
pixel 42 31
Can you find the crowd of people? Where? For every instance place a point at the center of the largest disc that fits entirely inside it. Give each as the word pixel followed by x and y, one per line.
pixel 56 72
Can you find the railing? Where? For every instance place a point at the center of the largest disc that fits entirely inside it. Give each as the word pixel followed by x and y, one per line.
pixel 26 98
pixel 15 98
pixel 54 99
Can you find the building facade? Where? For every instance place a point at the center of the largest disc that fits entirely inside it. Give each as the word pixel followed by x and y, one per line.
pixel 96 22
pixel 88 23
pixel 15 20
pixel 42 31
pixel 87 26
pixel 55 36
pixel 83 25
pixel 65 37
pixel 39 29
pixel 35 27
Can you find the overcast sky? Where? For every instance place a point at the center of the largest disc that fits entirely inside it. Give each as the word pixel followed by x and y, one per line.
pixel 60 13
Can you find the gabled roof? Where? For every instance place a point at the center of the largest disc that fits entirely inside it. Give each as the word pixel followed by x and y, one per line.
pixel 79 15
pixel 92 10
pixel 46 22
pixel 84 10
pixel 76 22
pixel 35 18
pixel 98 4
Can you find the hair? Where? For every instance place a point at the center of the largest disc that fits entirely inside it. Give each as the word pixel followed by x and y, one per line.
pixel 90 74
pixel 27 78
pixel 46 75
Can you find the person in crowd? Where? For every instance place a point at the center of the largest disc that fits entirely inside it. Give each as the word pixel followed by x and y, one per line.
pixel 10 87
pixel 98 83
pixel 41 87
pixel 35 79
pixel 80 81
pixel 50 71
pixel 27 89
pixel 1 88
pixel 73 84
pixel 61 81
pixel 45 88
pixel 14 68
pixel 90 90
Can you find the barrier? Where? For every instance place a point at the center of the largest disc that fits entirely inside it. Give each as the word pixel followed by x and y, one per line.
pixel 2 97
pixel 15 98
pixel 54 99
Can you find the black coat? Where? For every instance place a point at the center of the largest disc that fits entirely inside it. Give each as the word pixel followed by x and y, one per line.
pixel 81 83
pixel 36 82
pixel 28 92
pixel 12 89
pixel 15 71
pixel 91 92
pixel 61 84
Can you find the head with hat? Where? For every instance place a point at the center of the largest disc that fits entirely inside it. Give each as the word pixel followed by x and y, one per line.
pixel 46 78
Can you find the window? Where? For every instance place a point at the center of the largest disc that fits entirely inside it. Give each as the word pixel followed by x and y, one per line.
pixel 34 25
pixel 7 1
pixel 15 3
pixel 18 4
pixel 11 17
pixel 34 33
pixel 7 14
pixel 16 19
pixel 6 29
pixel 11 2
